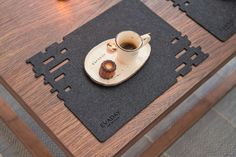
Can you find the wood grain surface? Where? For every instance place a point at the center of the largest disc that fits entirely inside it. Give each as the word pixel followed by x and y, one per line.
pixel 27 27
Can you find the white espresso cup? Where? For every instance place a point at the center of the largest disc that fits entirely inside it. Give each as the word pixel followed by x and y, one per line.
pixel 128 44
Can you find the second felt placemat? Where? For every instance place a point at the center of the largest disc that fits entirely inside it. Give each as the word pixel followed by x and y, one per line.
pixel 216 16
pixel 103 110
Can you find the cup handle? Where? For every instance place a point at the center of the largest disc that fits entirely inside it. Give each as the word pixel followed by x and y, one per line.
pixel 146 38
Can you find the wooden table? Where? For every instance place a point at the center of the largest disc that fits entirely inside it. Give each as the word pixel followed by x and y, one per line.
pixel 27 27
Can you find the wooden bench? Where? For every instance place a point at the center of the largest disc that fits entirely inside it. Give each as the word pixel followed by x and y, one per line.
pixel 191 117
pixel 22 131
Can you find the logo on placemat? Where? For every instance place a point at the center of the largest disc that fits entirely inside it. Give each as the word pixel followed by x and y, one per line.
pixel 110 120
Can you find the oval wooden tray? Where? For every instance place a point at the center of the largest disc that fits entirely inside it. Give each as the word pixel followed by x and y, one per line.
pixel 123 72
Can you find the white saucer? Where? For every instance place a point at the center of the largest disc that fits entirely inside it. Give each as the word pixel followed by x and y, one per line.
pixel 123 72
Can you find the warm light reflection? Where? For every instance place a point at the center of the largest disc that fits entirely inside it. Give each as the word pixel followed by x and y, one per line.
pixel 64 8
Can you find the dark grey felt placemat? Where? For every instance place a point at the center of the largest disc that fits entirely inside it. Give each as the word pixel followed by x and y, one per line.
pixel 103 110
pixel 216 16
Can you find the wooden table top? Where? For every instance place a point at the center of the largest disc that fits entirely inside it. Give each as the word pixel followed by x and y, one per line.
pixel 27 27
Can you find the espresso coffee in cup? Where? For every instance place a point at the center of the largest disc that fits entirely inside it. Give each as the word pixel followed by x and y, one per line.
pixel 128 44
